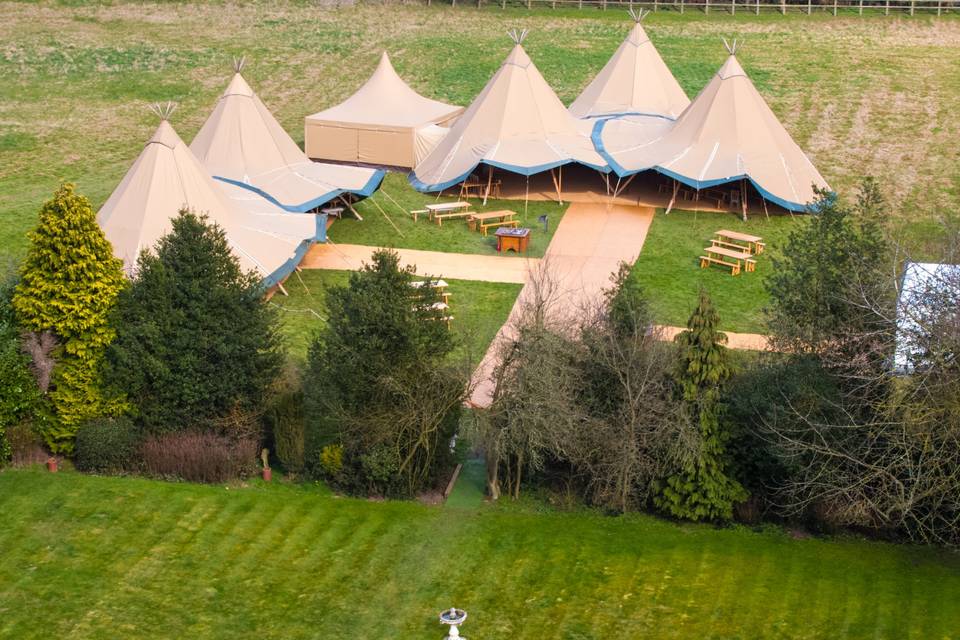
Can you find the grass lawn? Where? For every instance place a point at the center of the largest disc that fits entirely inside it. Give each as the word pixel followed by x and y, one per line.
pixel 386 225
pixel 873 95
pixel 87 557
pixel 668 268
pixel 478 309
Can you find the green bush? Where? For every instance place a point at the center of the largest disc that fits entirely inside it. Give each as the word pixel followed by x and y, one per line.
pixel 285 424
pixel 331 459
pixel 107 445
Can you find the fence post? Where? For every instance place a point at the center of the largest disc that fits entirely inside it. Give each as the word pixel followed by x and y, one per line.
pixel 758 7
pixel 861 7
pixel 834 8
pixel 681 7
pixel 886 10
pixel 912 4
pixel 783 7
pixel 706 8
pixel 733 7
pixel 809 7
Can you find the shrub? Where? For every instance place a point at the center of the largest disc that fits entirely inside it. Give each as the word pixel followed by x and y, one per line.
pixel 106 445
pixel 285 423
pixel 331 459
pixel 199 456
pixel 195 340
pixel 26 445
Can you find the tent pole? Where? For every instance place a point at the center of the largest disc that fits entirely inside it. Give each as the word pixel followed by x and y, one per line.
pixel 676 188
pixel 489 183
pixel 526 197
pixel 606 180
pixel 626 184
pixel 556 185
pixel 560 172
pixel 616 187
pixel 743 198
pixel 765 212
pixel 282 290
pixel 352 210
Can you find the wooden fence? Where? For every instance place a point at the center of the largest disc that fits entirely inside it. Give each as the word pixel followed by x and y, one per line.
pixel 835 7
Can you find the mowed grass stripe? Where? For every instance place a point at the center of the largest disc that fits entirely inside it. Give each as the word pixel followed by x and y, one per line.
pixel 280 562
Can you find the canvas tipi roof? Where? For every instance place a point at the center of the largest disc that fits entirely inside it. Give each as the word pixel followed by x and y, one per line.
pixel 386 100
pixel 727 133
pixel 516 123
pixel 241 142
pixel 634 81
pixel 167 177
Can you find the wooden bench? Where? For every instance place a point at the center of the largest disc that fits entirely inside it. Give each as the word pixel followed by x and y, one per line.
pixel 729 245
pixel 416 213
pixel 499 223
pixel 440 217
pixel 706 261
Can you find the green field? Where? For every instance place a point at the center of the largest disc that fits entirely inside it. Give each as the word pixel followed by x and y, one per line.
pixel 668 268
pixel 868 95
pixel 478 310
pixel 88 557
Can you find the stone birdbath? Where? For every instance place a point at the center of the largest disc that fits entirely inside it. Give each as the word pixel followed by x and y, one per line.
pixel 453 617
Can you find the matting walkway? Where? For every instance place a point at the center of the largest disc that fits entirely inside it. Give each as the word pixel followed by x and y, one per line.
pixel 587 248
pixel 461 266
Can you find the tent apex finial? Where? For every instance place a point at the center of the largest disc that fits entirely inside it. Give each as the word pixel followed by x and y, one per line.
pixel 732 47
pixel 518 36
pixel 163 110
pixel 238 63
pixel 638 16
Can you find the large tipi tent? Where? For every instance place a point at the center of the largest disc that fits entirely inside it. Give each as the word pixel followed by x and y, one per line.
pixel 727 134
pixel 634 81
pixel 517 123
pixel 242 143
pixel 385 122
pixel 167 177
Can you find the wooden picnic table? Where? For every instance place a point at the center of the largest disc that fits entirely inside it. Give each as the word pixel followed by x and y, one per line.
pixel 754 244
pixel 440 285
pixel 479 189
pixel 737 256
pixel 478 220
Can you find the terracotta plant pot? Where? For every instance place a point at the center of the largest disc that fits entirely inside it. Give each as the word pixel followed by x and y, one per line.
pixel 267 474
pixel 52 465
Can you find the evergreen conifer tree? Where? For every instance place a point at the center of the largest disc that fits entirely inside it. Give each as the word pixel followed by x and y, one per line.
pixel 68 285
pixel 702 489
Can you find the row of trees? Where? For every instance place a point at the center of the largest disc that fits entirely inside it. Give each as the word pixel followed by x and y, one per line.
pixel 188 345
pixel 825 429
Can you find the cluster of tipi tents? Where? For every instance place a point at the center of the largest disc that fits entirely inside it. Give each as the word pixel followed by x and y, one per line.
pixel 246 173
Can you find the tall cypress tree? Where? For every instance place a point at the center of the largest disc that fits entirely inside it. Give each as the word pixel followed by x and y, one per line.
pixel 702 490
pixel 194 336
pixel 68 285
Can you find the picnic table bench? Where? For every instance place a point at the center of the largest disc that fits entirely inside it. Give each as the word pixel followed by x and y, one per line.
pixel 501 218
pixel 753 244
pixel 716 254
pixel 479 189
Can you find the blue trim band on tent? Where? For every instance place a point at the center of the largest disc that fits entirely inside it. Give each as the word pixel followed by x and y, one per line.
pixel 622 172
pixel 371 185
pixel 621 114
pixel 423 187
pixel 287 267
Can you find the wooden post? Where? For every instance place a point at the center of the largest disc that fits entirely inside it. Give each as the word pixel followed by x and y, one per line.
pixel 783 7
pixel 886 10
pixel 758 7
pixel 834 8
pixel 528 4
pixel 733 7
pixel 676 188
pixel 681 7
pixel 743 198
pixel 489 184
pixel 912 5
pixel 706 8
pixel 809 7
pixel 861 7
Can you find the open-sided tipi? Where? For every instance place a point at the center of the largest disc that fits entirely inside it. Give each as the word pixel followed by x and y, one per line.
pixel 167 177
pixel 727 134
pixel 385 122
pixel 634 81
pixel 242 143
pixel 517 123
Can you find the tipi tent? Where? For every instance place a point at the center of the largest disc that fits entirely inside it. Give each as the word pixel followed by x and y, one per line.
pixel 517 123
pixel 167 177
pixel 385 122
pixel 634 81
pixel 242 143
pixel 727 134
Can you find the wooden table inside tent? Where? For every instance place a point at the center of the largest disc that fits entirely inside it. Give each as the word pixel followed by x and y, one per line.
pixel 479 189
pixel 743 241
